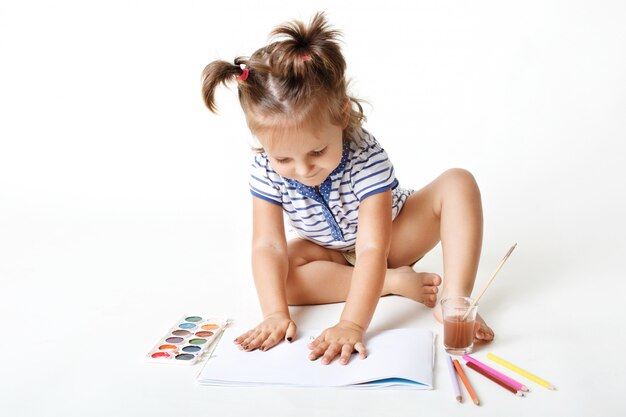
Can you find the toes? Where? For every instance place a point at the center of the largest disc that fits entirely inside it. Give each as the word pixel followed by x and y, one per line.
pixel 435 280
pixel 488 334
pixel 431 290
pixel 483 332
pixel 430 300
pixel 429 280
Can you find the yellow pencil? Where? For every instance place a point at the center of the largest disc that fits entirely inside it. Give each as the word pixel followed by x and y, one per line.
pixel 520 371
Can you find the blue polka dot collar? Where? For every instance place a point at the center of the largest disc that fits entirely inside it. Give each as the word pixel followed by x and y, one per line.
pixel 325 187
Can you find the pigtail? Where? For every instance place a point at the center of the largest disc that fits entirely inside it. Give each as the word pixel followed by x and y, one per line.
pixel 219 72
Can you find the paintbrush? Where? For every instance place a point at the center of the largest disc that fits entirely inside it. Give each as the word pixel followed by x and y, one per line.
pixel 489 282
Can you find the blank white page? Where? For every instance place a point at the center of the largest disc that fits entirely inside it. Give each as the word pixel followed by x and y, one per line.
pixel 398 358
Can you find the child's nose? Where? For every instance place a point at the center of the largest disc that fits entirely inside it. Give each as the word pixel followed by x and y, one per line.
pixel 304 169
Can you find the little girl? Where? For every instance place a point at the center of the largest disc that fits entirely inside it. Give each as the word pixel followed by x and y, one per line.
pixel 359 231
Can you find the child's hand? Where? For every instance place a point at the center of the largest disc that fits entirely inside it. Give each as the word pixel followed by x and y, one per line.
pixel 340 340
pixel 268 334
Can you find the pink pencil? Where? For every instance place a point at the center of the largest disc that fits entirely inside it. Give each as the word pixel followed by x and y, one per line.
pixel 496 373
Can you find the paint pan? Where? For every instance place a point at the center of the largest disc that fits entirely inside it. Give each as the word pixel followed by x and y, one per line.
pixel 188 340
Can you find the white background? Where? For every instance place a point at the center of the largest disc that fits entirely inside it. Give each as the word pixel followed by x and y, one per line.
pixel 124 202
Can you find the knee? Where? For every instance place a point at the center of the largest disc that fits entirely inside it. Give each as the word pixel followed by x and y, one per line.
pixel 296 258
pixel 459 175
pixel 291 287
pixel 293 283
pixel 460 180
pixel 296 254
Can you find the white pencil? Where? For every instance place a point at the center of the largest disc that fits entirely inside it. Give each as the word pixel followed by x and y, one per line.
pixel 455 382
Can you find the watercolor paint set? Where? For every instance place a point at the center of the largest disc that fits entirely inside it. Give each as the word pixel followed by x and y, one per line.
pixel 188 340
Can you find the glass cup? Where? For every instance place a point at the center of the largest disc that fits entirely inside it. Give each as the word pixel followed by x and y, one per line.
pixel 458 324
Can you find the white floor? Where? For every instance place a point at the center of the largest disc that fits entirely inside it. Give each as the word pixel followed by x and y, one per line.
pixel 82 304
pixel 113 199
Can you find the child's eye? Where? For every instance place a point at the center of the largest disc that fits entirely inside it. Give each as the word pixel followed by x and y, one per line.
pixel 282 160
pixel 318 153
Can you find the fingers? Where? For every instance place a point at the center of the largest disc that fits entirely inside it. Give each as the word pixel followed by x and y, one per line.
pixel 329 351
pixel 334 343
pixel 275 338
pixel 360 347
pixel 315 343
pixel 262 340
pixel 339 341
pixel 318 349
pixel 290 335
pixel 318 346
pixel 253 340
pixel 246 337
pixel 269 342
pixel 267 335
pixel 346 353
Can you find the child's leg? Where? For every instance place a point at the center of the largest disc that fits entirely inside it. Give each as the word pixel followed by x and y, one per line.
pixel 448 209
pixel 319 276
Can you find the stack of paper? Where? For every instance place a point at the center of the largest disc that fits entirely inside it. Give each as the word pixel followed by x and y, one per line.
pixel 398 359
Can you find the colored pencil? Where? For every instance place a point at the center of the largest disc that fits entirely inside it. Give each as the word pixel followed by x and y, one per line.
pixel 482 291
pixel 455 382
pixel 503 377
pixel 520 371
pixel 495 379
pixel 468 387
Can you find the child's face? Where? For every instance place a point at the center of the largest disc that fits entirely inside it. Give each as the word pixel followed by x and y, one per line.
pixel 306 154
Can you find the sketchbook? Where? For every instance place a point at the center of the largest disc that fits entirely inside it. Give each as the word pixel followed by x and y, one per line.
pixel 397 359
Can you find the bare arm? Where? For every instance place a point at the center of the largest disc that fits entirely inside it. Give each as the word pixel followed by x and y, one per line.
pixel 270 267
pixel 269 256
pixel 372 249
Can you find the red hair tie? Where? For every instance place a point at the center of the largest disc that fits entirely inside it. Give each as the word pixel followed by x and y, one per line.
pixel 244 74
pixel 305 57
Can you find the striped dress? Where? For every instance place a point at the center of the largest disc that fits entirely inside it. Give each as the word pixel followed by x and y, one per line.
pixel 329 217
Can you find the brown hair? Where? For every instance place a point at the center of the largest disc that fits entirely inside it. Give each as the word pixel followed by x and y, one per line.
pixel 292 80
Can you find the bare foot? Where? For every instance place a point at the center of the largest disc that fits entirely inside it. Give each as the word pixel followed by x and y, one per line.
pixel 418 286
pixel 482 332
